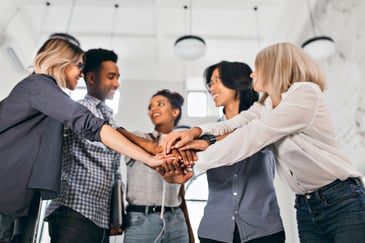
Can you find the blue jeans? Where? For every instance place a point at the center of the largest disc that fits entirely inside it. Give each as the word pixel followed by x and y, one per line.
pixel 68 226
pixel 142 227
pixel 333 214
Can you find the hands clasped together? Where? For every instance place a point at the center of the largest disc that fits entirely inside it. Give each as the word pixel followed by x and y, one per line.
pixel 179 154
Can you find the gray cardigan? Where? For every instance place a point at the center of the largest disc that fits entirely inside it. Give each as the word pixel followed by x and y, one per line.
pixel 31 134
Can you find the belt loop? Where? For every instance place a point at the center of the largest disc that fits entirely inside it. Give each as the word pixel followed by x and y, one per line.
pixel 358 181
pixel 146 210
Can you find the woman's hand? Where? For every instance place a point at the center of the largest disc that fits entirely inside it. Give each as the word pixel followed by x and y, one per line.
pixel 177 139
pixel 195 145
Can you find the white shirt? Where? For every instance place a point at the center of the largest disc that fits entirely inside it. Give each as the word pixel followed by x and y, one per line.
pixel 301 132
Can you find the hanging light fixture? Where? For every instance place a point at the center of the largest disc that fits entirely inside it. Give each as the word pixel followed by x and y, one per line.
pixel 255 8
pixel 319 47
pixel 190 47
pixel 70 16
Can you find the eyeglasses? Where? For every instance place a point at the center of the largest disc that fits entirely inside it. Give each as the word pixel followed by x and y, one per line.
pixel 80 65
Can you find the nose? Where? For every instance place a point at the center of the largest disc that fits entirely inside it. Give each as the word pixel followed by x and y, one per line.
pixel 212 87
pixel 116 83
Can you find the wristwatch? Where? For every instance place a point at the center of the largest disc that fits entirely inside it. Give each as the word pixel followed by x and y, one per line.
pixel 209 137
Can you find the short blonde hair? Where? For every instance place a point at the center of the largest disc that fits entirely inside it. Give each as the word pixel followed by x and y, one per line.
pixel 53 57
pixel 283 64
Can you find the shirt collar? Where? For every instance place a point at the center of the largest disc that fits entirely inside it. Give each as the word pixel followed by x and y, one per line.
pixel 98 103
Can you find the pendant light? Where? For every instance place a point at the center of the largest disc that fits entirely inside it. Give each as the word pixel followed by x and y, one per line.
pixel 319 47
pixel 70 16
pixel 114 23
pixel 190 47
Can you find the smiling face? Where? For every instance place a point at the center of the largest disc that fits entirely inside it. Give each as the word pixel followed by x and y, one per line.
pixel 222 95
pixel 103 83
pixel 161 112
pixel 73 72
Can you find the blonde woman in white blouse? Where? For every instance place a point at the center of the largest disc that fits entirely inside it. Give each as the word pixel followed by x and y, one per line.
pixel 294 118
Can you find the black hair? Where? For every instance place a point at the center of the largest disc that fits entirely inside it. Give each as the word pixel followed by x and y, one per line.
pixel 93 59
pixel 236 76
pixel 176 100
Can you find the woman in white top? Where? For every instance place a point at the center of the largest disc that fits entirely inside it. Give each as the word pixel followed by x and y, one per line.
pixel 294 118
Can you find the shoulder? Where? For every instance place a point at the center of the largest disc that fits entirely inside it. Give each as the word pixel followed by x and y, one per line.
pixel 37 84
pixel 305 91
pixel 41 78
pixel 308 86
pixel 38 79
pixel 90 103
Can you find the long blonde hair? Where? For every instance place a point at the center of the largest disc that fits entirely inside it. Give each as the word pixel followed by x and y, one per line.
pixel 53 57
pixel 283 64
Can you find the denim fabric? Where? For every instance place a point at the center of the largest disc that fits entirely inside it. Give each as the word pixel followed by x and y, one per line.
pixel 333 214
pixel 67 225
pixel 150 227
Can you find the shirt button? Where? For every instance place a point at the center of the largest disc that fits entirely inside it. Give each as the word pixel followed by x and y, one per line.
pixel 235 175
pixel 235 194
pixel 236 212
pixel 308 196
pixel 232 217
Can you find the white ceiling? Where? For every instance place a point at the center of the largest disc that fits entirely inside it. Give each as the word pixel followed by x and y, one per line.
pixel 143 32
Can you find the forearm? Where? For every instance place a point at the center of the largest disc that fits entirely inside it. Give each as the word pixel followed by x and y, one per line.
pixel 147 145
pixel 118 142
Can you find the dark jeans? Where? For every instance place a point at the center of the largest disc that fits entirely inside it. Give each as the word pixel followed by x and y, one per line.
pixel 333 214
pixel 68 226
pixel 274 238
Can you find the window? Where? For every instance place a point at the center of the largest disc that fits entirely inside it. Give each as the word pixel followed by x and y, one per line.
pixel 197 103
pixel 198 99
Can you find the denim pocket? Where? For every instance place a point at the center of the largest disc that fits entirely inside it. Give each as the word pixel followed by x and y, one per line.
pixel 135 219
pixel 347 195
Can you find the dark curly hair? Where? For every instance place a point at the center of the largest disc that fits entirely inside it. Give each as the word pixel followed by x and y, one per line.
pixel 176 100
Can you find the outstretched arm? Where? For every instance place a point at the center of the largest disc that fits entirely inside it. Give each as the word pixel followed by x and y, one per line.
pixel 149 146
pixel 116 141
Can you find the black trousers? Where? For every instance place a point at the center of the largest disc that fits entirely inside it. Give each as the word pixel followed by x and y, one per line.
pixel 274 238
pixel 68 226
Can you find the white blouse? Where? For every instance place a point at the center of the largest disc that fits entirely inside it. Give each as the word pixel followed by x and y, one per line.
pixel 300 131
